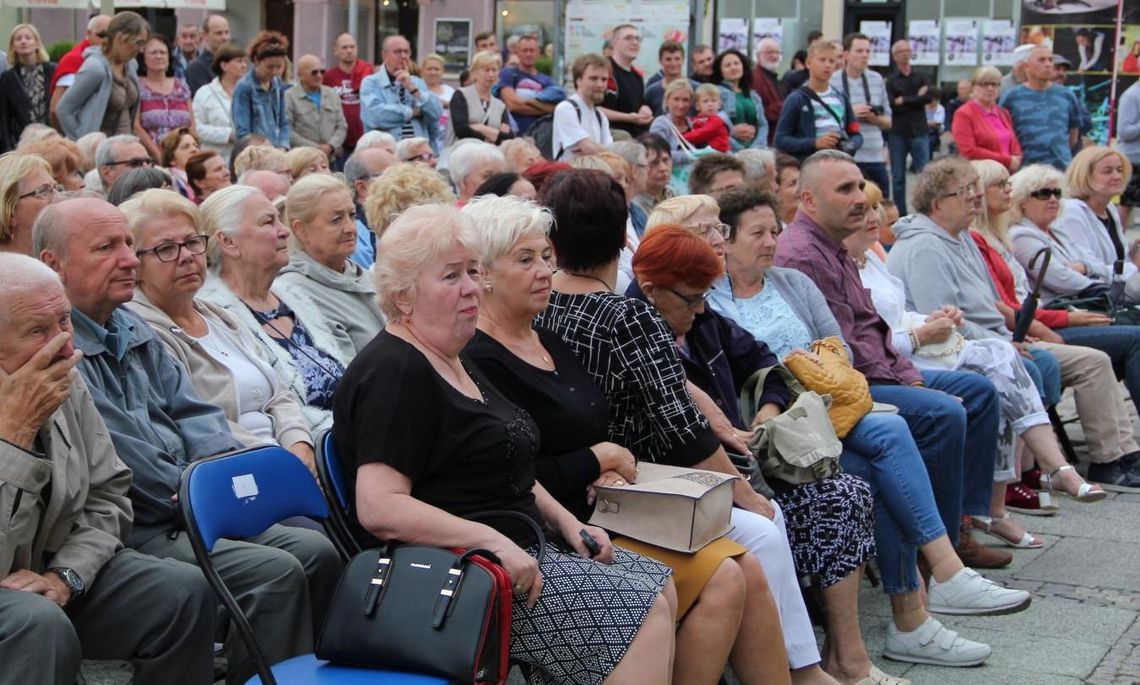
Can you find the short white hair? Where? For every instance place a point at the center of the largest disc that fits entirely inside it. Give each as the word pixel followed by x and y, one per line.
pixel 23 275
pixel 757 163
pixel 1028 179
pixel 376 138
pixel 223 212
pixel 470 154
pixel 501 222
pixel 405 146
pixel 105 153
pixel 414 240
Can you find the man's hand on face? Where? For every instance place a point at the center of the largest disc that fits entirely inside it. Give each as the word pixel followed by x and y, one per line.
pixel 32 393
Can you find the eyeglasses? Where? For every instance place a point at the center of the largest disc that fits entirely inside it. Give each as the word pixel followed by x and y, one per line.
pixel 316 72
pixel 704 227
pixel 963 191
pixel 43 192
pixel 133 163
pixel 171 251
pixel 989 84
pixel 1045 193
pixel 691 301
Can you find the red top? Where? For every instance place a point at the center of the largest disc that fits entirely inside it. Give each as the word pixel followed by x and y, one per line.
pixel 70 62
pixel 765 84
pixel 709 131
pixel 976 137
pixel 347 86
pixel 1003 279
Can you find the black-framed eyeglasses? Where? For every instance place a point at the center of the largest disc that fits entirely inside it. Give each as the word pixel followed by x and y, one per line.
pixel 170 251
pixel 134 162
pixel 42 192
pixel 1045 193
pixel 691 301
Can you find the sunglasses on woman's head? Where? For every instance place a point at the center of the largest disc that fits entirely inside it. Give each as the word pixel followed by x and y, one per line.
pixel 1045 193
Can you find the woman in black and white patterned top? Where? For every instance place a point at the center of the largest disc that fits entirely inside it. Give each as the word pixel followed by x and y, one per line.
pixel 24 88
pixel 628 351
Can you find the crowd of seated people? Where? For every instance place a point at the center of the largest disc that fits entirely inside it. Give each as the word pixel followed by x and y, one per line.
pixel 481 329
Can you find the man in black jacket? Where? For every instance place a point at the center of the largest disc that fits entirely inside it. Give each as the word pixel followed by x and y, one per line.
pixel 201 70
pixel 909 93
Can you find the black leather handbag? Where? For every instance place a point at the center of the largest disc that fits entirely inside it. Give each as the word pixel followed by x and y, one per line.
pixel 424 610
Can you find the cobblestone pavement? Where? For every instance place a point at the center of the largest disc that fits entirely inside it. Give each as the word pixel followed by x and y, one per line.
pixel 1082 627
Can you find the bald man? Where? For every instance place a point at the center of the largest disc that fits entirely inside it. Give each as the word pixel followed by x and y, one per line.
pixel 273 183
pixel 909 91
pixel 315 115
pixel 955 430
pixel 68 588
pixel 158 424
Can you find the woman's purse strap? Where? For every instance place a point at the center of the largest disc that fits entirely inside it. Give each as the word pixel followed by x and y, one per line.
pixel 502 513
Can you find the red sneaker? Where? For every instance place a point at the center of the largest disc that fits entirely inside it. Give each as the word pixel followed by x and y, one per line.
pixel 1032 478
pixel 1023 500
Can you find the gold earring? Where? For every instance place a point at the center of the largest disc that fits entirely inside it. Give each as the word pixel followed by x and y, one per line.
pixel 487 287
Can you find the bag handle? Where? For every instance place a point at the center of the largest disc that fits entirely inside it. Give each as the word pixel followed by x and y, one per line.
pixel 753 387
pixel 685 145
pixel 450 587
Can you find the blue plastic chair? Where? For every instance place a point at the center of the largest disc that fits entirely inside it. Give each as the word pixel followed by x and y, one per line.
pixel 240 495
pixel 330 472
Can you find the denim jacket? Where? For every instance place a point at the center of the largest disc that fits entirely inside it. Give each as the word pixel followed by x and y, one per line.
pixel 380 108
pixel 256 110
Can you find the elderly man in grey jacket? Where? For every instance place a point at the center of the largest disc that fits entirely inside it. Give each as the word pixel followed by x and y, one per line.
pixel 282 578
pixel 68 589
pixel 316 118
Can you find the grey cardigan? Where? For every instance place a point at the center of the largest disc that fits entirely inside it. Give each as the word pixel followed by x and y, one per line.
pixel 83 105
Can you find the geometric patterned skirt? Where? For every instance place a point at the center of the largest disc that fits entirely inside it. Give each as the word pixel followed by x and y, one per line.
pixel 830 525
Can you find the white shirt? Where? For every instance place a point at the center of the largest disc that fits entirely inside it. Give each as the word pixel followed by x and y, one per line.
pixel 569 127
pixel 253 387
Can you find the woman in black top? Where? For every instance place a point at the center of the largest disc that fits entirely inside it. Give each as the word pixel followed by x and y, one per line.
pixel 725 607
pixel 427 440
pixel 25 88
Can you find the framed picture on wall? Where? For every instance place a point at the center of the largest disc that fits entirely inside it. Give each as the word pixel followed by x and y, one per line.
pixel 453 41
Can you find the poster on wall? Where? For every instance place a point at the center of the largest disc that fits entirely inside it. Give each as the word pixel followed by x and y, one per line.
pixel 879 32
pixel 453 42
pixel 766 28
pixel 733 35
pixel 961 42
pixel 998 41
pixel 1089 49
pixel 924 37
pixel 589 24
pixel 1068 11
pixel 1129 52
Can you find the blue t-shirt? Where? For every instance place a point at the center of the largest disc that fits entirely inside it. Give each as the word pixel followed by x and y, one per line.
pixel 1041 120
pixel 527 86
pixel 315 96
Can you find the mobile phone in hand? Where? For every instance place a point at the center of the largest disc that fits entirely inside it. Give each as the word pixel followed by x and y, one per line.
pixel 590 542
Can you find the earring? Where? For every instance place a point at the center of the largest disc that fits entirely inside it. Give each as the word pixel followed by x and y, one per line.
pixel 487 287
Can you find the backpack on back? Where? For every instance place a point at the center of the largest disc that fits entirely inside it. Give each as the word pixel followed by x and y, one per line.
pixel 542 131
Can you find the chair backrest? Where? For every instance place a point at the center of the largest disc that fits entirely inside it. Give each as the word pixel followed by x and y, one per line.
pixel 330 471
pixel 241 494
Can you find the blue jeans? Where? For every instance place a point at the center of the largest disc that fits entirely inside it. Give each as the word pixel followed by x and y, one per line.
pixel 1120 343
pixel 900 146
pixel 1046 374
pixel 881 451
pixel 957 440
pixel 877 172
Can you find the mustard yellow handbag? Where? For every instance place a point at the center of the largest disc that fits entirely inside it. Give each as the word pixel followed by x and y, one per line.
pixel 833 375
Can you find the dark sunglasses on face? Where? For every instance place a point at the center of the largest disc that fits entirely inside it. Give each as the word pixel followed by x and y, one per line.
pixel 1045 193
pixel 135 163
pixel 316 72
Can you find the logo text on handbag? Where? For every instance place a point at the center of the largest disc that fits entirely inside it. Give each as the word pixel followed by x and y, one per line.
pixel 418 565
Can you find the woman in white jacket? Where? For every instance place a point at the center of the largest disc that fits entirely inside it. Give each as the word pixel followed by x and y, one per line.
pixel 1088 217
pixel 212 101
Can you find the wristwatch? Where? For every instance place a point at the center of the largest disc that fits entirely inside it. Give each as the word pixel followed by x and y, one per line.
pixel 71 579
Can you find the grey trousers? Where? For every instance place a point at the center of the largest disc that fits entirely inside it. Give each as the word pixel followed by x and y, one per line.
pixel 283 580
pixel 157 613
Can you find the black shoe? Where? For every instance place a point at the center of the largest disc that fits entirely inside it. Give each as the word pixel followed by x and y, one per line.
pixel 1115 476
pixel 1130 461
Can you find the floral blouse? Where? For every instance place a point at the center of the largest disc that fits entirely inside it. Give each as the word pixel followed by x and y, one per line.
pixel 161 113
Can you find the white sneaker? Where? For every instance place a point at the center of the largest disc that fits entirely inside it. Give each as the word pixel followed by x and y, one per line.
pixel 932 643
pixel 968 593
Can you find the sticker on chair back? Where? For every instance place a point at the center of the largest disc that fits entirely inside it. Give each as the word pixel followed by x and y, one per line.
pixel 244 486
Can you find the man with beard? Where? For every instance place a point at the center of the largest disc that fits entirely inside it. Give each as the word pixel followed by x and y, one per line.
pixel 767 84
pixel 579 127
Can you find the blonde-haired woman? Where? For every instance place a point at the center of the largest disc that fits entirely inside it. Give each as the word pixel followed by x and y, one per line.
pixel 64 157
pixel 698 213
pixel 400 187
pixel 248 247
pixel 1089 218
pixel 431 71
pixel 26 187
pixel 228 365
pixel 303 161
pixel 521 153
pixel 321 215
pixel 982 128
pixel 475 112
pixel 24 88
pixel 262 158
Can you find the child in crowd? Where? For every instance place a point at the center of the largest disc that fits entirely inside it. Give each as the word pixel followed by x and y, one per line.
pixel 935 119
pixel 707 129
